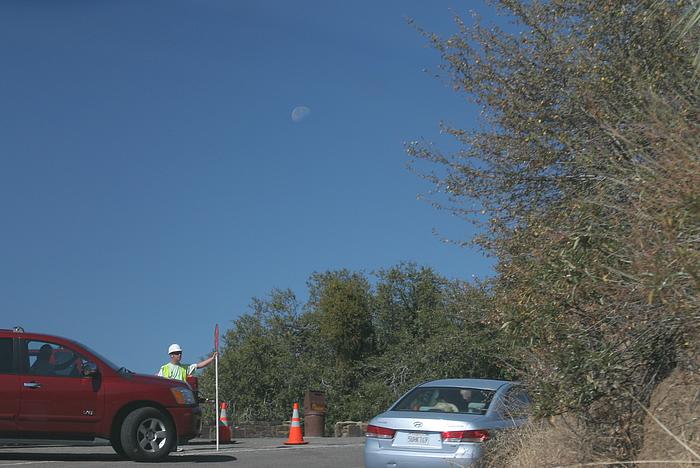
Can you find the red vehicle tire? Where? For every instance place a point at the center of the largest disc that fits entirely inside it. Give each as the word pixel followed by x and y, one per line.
pixel 147 434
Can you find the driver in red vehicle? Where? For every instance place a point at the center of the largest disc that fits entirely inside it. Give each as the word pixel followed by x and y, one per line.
pixel 178 371
pixel 43 364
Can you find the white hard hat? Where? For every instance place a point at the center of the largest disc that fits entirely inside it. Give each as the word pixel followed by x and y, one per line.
pixel 174 348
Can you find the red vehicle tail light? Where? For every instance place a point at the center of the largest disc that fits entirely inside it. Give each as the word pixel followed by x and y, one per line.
pixel 476 435
pixel 379 432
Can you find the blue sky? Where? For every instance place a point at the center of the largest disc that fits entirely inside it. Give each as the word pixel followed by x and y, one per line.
pixel 152 180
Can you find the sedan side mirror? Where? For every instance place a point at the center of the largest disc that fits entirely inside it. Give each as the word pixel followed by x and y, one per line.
pixel 89 369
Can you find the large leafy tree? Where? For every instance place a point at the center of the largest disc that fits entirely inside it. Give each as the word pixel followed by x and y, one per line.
pixel 584 177
pixel 341 303
pixel 363 344
pixel 259 367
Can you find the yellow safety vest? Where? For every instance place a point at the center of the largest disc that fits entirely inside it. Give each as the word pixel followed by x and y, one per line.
pixel 173 371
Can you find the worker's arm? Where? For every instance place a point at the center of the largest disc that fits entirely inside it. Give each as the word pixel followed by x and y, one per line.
pixel 206 362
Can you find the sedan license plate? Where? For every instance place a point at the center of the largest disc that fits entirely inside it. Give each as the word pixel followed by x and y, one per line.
pixel 418 438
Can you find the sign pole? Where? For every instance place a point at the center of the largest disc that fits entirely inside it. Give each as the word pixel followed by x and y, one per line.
pixel 216 382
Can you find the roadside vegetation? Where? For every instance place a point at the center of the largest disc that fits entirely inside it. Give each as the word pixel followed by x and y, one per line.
pixel 362 339
pixel 584 179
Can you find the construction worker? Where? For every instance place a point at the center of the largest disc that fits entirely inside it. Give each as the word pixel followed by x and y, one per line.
pixel 177 371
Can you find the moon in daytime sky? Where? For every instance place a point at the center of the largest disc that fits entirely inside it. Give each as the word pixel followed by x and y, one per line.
pixel 299 113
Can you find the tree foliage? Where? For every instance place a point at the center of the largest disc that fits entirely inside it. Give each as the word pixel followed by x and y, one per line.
pixel 342 307
pixel 362 342
pixel 587 173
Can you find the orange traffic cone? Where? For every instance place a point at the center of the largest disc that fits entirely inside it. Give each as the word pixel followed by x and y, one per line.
pixel 224 428
pixel 295 434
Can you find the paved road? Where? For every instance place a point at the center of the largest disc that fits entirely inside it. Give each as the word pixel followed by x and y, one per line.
pixel 244 453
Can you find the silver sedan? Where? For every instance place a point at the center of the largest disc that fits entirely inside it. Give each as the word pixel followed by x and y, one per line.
pixel 444 423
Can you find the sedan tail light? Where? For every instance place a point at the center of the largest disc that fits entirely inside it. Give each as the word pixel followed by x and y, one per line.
pixel 476 435
pixel 379 432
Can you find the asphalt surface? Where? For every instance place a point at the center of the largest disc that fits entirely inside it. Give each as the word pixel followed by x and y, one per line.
pixel 243 453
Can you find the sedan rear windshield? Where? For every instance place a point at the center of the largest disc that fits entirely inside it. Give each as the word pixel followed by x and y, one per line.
pixel 446 400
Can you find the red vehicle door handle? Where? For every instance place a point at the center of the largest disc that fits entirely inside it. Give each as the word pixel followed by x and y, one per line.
pixel 32 384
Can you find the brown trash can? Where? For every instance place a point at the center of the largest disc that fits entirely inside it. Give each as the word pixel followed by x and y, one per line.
pixel 314 413
pixel 314 424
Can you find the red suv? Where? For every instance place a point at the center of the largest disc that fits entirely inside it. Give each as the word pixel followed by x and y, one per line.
pixel 56 388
